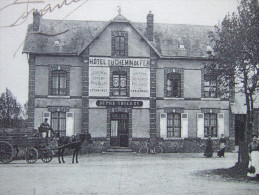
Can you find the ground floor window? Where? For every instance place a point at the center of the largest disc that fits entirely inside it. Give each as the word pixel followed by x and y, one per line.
pixel 210 124
pixel 58 122
pixel 173 125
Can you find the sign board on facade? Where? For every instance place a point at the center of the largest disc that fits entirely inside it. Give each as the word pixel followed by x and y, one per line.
pixel 119 103
pixel 99 84
pixel 132 62
pixel 139 82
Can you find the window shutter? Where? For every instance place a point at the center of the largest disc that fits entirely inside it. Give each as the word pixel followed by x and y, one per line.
pixel 184 125
pixel 47 115
pixel 220 124
pixel 70 124
pixel 163 125
pixel 200 125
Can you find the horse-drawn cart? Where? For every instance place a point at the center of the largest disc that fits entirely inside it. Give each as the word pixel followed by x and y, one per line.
pixel 34 147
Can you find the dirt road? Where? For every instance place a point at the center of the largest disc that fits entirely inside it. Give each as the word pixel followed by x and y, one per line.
pixel 122 174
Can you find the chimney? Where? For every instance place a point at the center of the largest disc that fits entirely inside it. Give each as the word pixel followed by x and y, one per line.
pixel 36 21
pixel 150 26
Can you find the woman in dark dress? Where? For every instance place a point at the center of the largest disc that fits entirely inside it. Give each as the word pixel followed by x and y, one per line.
pixel 222 145
pixel 208 149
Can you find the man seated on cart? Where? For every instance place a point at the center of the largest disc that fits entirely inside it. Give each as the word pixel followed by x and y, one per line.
pixel 45 128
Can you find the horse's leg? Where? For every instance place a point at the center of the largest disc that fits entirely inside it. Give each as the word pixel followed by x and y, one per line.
pixel 74 155
pixel 77 151
pixel 59 150
pixel 62 154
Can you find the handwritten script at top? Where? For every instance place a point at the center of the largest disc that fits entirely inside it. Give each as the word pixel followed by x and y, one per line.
pixel 25 14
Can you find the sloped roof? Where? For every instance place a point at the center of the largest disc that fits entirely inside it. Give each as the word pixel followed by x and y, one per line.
pixel 72 36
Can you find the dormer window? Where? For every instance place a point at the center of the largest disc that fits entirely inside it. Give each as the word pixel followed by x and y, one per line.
pixel 57 43
pixel 119 44
pixel 181 47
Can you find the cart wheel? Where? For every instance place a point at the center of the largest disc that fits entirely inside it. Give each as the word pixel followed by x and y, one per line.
pixel 31 155
pixel 6 152
pixel 46 155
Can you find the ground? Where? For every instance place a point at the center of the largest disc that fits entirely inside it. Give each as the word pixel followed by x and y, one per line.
pixel 124 174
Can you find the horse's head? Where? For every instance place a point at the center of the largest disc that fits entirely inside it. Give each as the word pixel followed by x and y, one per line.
pixel 88 138
pixel 84 136
pixel 81 137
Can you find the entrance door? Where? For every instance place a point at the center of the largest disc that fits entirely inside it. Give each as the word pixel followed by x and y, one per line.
pixel 119 129
pixel 123 133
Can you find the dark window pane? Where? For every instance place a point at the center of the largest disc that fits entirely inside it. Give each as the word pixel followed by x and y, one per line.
pixel 58 122
pixel 210 124
pixel 173 125
pixel 119 87
pixel 173 87
pixel 210 86
pixel 119 43
pixel 59 85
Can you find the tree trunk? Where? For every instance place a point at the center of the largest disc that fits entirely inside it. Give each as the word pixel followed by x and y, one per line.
pixel 243 157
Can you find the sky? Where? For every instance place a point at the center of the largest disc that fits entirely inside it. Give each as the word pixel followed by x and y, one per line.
pixel 14 65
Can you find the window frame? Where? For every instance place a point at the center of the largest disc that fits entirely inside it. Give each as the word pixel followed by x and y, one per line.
pixel 59 69
pixel 59 74
pixel 209 79
pixel 174 128
pixel 175 79
pixel 119 43
pixel 209 128
pixel 121 75
pixel 58 118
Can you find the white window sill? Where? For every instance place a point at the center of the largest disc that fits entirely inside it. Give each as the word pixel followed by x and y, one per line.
pixel 173 98
pixel 174 138
pixel 209 99
pixel 119 97
pixel 58 96
pixel 213 138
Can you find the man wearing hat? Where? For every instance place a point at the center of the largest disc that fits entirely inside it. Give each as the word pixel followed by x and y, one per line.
pixel 253 148
pixel 45 127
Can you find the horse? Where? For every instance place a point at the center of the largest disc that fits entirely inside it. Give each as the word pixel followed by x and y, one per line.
pixel 73 142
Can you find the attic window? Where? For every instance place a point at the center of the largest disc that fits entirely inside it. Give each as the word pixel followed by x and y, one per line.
pixel 209 48
pixel 181 47
pixel 57 43
pixel 119 43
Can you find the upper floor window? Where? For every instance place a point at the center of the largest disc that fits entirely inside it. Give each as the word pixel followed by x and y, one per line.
pixel 210 124
pixel 173 85
pixel 119 43
pixel 59 82
pixel 210 86
pixel 119 83
pixel 173 125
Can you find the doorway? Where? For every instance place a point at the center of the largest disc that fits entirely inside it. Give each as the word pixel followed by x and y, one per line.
pixel 119 129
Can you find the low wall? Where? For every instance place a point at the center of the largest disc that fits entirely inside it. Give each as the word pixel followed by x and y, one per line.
pixel 168 146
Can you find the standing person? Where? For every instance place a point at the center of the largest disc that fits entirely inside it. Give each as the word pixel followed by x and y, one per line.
pixel 45 128
pixel 208 149
pixel 222 145
pixel 253 149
